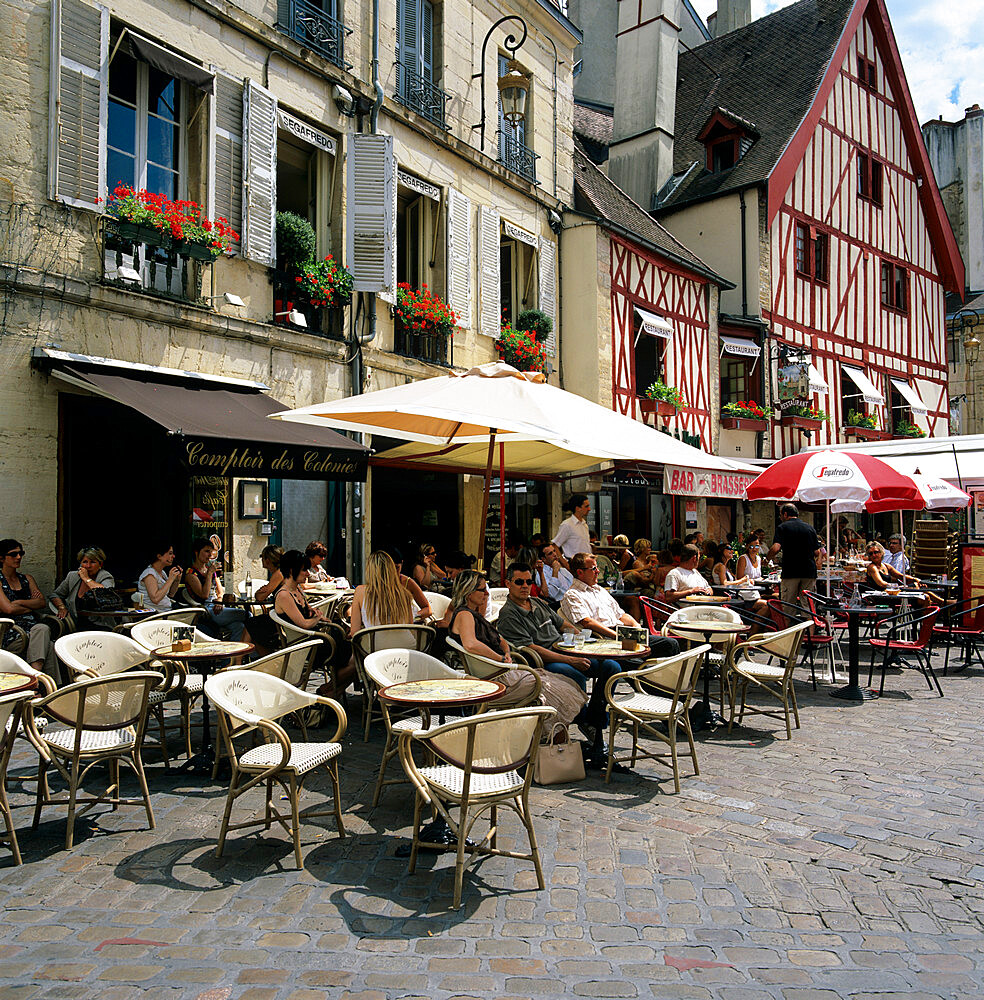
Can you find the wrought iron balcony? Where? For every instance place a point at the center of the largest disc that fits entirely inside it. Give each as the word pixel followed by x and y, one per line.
pixel 424 345
pixel 311 27
pixel 420 95
pixel 520 159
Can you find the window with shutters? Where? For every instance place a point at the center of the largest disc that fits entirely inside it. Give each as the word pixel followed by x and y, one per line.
pixel 419 60
pixel 518 273
pixel 516 138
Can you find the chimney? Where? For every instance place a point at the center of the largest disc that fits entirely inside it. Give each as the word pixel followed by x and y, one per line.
pixel 731 14
pixel 641 154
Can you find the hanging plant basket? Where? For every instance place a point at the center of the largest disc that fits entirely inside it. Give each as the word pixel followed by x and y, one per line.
pixel 744 424
pixel 801 423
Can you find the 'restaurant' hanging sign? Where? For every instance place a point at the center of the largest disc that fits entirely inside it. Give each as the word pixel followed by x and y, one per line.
pixel 219 457
pixel 697 483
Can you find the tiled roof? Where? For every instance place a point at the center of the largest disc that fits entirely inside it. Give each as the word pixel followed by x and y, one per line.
pixel 767 72
pixel 596 195
pixel 590 123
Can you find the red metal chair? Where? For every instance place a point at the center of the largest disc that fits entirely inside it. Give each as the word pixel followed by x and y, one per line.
pixel 964 622
pixel 921 647
pixel 655 613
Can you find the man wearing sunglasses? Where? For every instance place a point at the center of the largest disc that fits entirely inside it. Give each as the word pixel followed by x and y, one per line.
pixel 529 622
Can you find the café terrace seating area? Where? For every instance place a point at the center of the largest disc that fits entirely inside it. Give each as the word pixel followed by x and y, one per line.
pixel 423 734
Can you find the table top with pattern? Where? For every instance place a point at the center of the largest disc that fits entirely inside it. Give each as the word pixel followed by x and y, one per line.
pixel 11 682
pixel 445 691
pixel 608 649
pixel 216 650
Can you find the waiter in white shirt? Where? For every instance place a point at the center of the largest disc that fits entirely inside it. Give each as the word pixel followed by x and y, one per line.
pixel 574 535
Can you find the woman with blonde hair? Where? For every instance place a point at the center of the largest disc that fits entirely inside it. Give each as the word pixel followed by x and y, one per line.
pixel 387 597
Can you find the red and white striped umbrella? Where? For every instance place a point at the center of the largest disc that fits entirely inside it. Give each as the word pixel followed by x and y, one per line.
pixel 935 494
pixel 835 475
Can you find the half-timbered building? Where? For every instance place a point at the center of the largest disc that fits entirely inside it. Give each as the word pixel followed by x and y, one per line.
pixel 799 172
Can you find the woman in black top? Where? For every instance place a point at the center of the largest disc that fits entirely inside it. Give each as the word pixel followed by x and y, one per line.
pixel 22 600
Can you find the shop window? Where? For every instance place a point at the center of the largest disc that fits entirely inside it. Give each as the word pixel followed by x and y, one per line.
pixel 812 252
pixel 870 173
pixel 894 287
pixel 738 382
pixel 867 74
pixel 518 286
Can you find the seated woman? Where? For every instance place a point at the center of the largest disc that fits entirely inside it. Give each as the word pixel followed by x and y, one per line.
pixel 625 557
pixel 384 599
pixel 722 575
pixel 750 562
pixel 270 561
pixel 471 629
pixel 202 582
pixel 879 576
pixel 156 585
pixel 426 572
pixel 642 548
pixel 317 553
pixel 89 576
pixel 422 608
pixel 21 600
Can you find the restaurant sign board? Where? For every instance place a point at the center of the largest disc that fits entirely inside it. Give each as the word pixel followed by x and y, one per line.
pixel 267 460
pixel 702 483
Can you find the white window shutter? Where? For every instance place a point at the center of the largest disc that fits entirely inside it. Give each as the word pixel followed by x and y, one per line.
pixel 370 226
pixel 259 235
pixel 490 308
pixel 225 150
pixel 459 256
pixel 548 288
pixel 78 103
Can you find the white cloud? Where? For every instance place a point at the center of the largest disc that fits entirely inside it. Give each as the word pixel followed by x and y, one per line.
pixel 942 47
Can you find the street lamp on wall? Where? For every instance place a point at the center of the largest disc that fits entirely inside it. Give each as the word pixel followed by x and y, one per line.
pixel 513 86
pixel 972 349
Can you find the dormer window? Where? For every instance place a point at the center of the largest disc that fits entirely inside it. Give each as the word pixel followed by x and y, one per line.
pixel 726 138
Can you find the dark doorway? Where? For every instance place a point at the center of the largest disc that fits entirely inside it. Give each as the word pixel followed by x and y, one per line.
pixel 410 507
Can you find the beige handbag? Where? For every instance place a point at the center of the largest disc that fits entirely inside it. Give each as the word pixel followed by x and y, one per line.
pixel 558 763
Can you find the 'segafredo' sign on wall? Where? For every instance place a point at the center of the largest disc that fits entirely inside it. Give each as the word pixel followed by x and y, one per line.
pixel 306 133
pixel 698 483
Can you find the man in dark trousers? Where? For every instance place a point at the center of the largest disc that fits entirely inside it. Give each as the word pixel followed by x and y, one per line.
pixel 800 544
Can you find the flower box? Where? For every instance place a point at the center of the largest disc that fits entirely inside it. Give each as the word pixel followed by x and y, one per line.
pixel 801 423
pixel 135 232
pixel 867 433
pixel 744 424
pixel 196 251
pixel 658 406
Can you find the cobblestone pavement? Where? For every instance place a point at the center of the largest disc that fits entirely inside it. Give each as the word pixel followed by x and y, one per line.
pixel 845 863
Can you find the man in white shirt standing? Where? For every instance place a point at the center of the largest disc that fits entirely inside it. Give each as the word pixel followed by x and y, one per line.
pixel 553 580
pixel 684 580
pixel 895 557
pixel 574 535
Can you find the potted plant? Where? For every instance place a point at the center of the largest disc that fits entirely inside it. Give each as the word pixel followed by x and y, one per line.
pixel 196 235
pixel 906 428
pixel 535 321
pixel 863 425
pixel 325 283
pixel 296 243
pixel 804 418
pixel 661 399
pixel 745 415
pixel 521 349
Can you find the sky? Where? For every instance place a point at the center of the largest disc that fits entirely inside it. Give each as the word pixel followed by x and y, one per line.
pixel 942 47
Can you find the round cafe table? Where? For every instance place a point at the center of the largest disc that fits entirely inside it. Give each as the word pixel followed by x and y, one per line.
pixel 12 682
pixel 706 630
pixel 203 656
pixel 603 649
pixel 853 690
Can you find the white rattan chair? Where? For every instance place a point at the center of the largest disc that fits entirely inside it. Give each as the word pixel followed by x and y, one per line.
pixel 439 604
pixel 248 700
pixel 11 663
pixel 661 697
pixel 183 616
pixel 490 670
pixel 767 663
pixel 8 625
pixel 11 706
pixel 367 641
pixel 476 770
pixel 497 598
pixel 721 645
pixel 394 666
pixel 105 719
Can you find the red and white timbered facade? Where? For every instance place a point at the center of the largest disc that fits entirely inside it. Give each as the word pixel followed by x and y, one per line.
pixel 644 280
pixel 859 250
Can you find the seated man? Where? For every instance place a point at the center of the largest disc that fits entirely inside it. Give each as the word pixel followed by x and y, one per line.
pixel 591 606
pixel 554 580
pixel 896 557
pixel 528 622
pixel 684 580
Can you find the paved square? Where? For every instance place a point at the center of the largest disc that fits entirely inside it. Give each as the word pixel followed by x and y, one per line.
pixel 845 863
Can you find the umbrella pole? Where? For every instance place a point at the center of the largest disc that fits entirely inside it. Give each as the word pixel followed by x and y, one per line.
pixel 826 568
pixel 485 502
pixel 502 514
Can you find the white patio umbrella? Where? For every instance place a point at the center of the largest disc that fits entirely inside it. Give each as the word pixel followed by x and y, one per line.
pixel 457 419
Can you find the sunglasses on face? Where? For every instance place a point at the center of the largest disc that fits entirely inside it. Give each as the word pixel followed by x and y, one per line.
pixel 525 582
pixel 16 552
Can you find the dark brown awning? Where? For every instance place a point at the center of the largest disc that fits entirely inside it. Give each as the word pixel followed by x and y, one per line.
pixel 168 62
pixel 225 431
